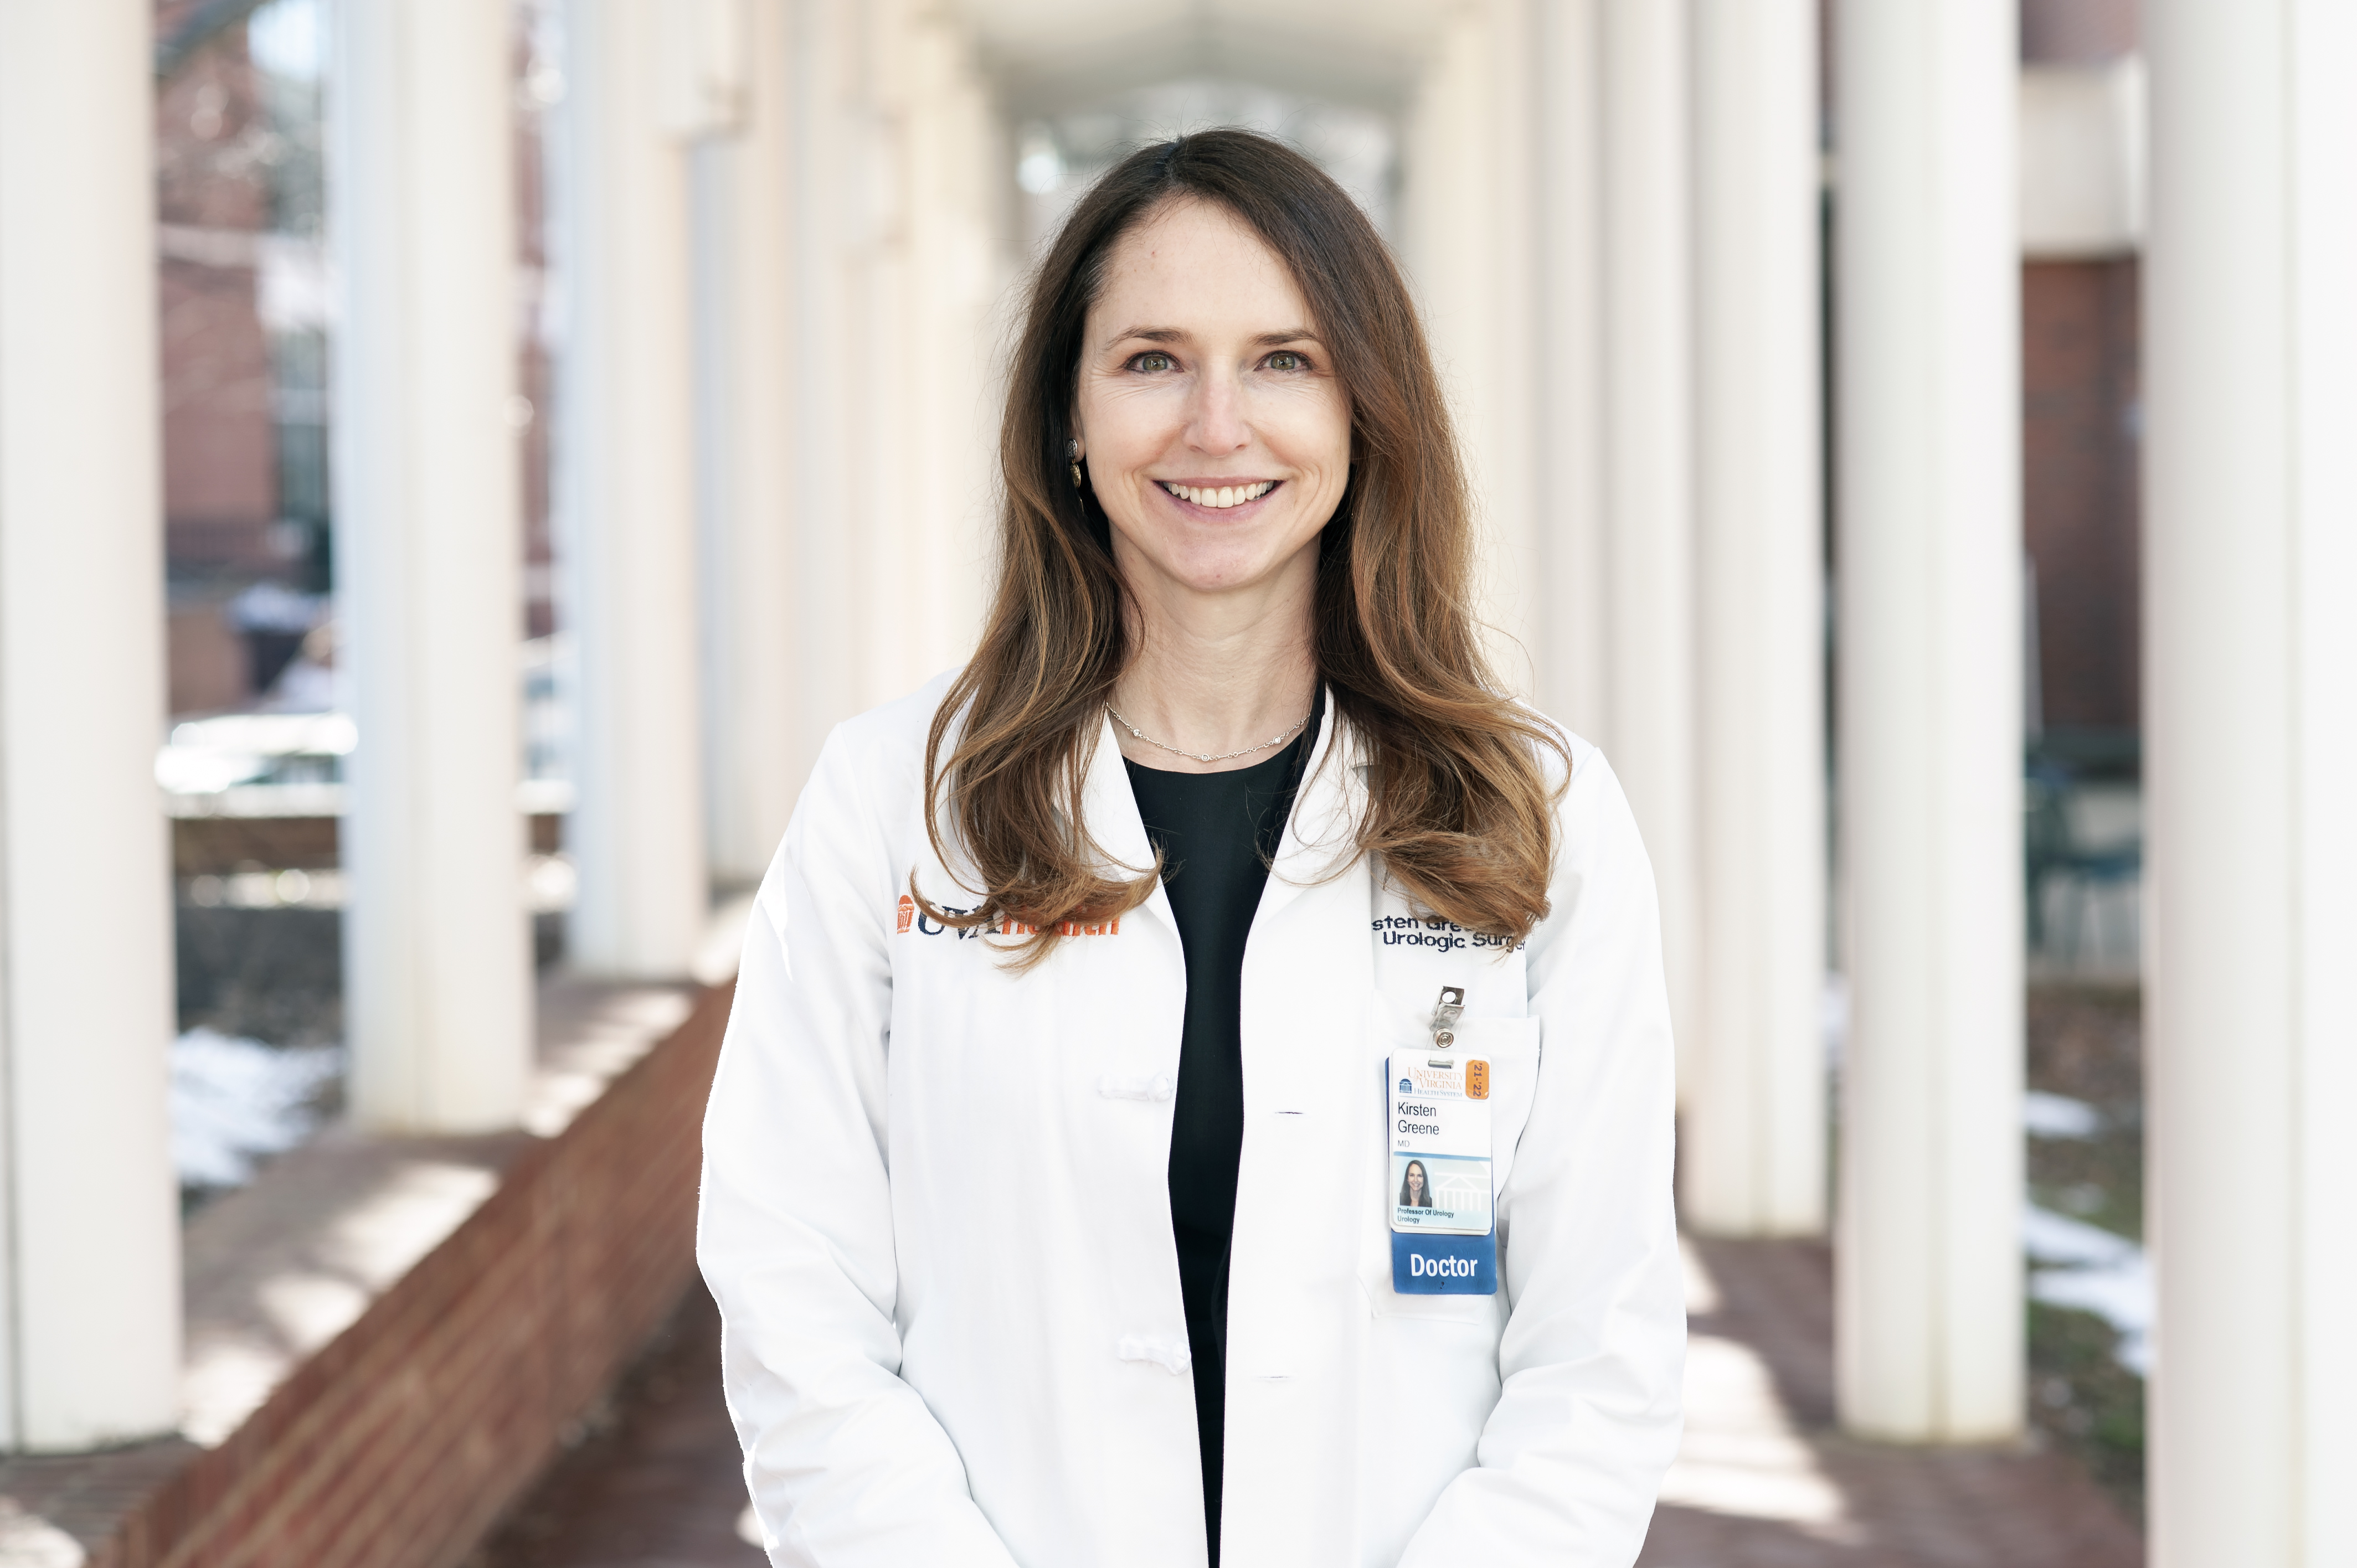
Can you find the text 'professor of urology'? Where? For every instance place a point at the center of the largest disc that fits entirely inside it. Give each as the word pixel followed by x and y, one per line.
pixel 1056 1225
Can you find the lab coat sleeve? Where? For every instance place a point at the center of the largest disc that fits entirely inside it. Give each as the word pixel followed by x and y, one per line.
pixel 847 1467
pixel 1592 1359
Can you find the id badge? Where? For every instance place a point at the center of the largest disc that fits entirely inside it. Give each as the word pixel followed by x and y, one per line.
pixel 1444 1221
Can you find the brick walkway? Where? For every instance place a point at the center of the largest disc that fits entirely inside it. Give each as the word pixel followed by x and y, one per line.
pixel 1763 1482
pixel 654 1481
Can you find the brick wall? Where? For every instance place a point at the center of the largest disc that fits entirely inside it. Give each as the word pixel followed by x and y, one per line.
pixel 220 486
pixel 2080 493
pixel 407 1436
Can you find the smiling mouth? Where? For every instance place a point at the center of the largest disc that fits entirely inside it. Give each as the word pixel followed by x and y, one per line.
pixel 1219 497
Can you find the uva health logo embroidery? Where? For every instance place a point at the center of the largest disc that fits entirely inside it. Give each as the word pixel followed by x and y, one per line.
pixel 912 917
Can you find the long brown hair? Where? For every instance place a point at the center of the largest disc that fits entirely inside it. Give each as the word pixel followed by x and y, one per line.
pixel 1459 806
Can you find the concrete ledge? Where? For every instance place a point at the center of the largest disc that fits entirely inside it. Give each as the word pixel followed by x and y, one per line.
pixel 389 1337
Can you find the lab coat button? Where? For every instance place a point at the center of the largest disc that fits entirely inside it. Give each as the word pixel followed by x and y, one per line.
pixel 1162 1088
pixel 1172 1358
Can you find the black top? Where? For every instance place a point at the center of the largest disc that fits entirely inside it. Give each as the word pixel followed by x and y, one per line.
pixel 1217 833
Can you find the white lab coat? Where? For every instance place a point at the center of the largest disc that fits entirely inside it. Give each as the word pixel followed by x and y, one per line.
pixel 936 1218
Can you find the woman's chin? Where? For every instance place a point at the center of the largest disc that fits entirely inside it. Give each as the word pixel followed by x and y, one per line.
pixel 1221 572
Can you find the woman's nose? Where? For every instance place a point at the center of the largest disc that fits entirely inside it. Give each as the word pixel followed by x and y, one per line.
pixel 1218 425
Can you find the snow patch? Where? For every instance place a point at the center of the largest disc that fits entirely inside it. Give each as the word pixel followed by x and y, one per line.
pixel 237 1102
pixel 2074 1264
pixel 2058 1116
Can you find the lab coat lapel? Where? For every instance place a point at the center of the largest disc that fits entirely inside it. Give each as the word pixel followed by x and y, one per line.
pixel 1109 808
pixel 1321 836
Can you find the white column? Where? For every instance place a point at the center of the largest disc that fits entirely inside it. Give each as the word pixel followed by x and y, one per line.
pixel 626 500
pixel 1648 461
pixel 2251 761
pixel 834 170
pixel 1568 628
pixel 90 1228
pixel 1753 1158
pixel 949 253
pixel 437 947
pixel 743 194
pixel 899 253
pixel 1470 214
pixel 1928 1261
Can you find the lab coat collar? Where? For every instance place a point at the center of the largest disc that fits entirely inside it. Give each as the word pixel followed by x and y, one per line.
pixel 1321 836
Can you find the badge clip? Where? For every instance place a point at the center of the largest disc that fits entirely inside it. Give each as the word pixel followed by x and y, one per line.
pixel 1444 1015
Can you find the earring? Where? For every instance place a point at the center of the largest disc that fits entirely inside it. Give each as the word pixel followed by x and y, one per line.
pixel 1072 450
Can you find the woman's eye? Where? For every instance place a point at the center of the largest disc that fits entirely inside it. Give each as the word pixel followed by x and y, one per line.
pixel 1287 359
pixel 1152 363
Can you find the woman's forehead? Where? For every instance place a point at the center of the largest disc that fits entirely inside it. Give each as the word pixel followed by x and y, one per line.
pixel 1196 267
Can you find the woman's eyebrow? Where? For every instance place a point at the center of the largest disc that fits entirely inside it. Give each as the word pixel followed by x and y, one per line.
pixel 1149 334
pixel 1180 335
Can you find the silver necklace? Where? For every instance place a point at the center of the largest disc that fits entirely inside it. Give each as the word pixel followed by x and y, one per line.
pixel 1204 755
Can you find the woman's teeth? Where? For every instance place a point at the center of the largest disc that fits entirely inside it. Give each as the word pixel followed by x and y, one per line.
pixel 1223 496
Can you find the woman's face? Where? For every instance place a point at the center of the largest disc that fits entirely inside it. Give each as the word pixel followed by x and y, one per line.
pixel 1415 1180
pixel 1218 438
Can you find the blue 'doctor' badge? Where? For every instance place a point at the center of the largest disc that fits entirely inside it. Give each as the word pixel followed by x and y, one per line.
pixel 1428 1265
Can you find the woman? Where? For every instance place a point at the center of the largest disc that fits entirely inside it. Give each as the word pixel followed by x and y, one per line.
pixel 1224 856
pixel 1414 1191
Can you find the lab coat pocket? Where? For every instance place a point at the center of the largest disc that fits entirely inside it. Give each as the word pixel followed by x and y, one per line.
pixel 1511 1049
